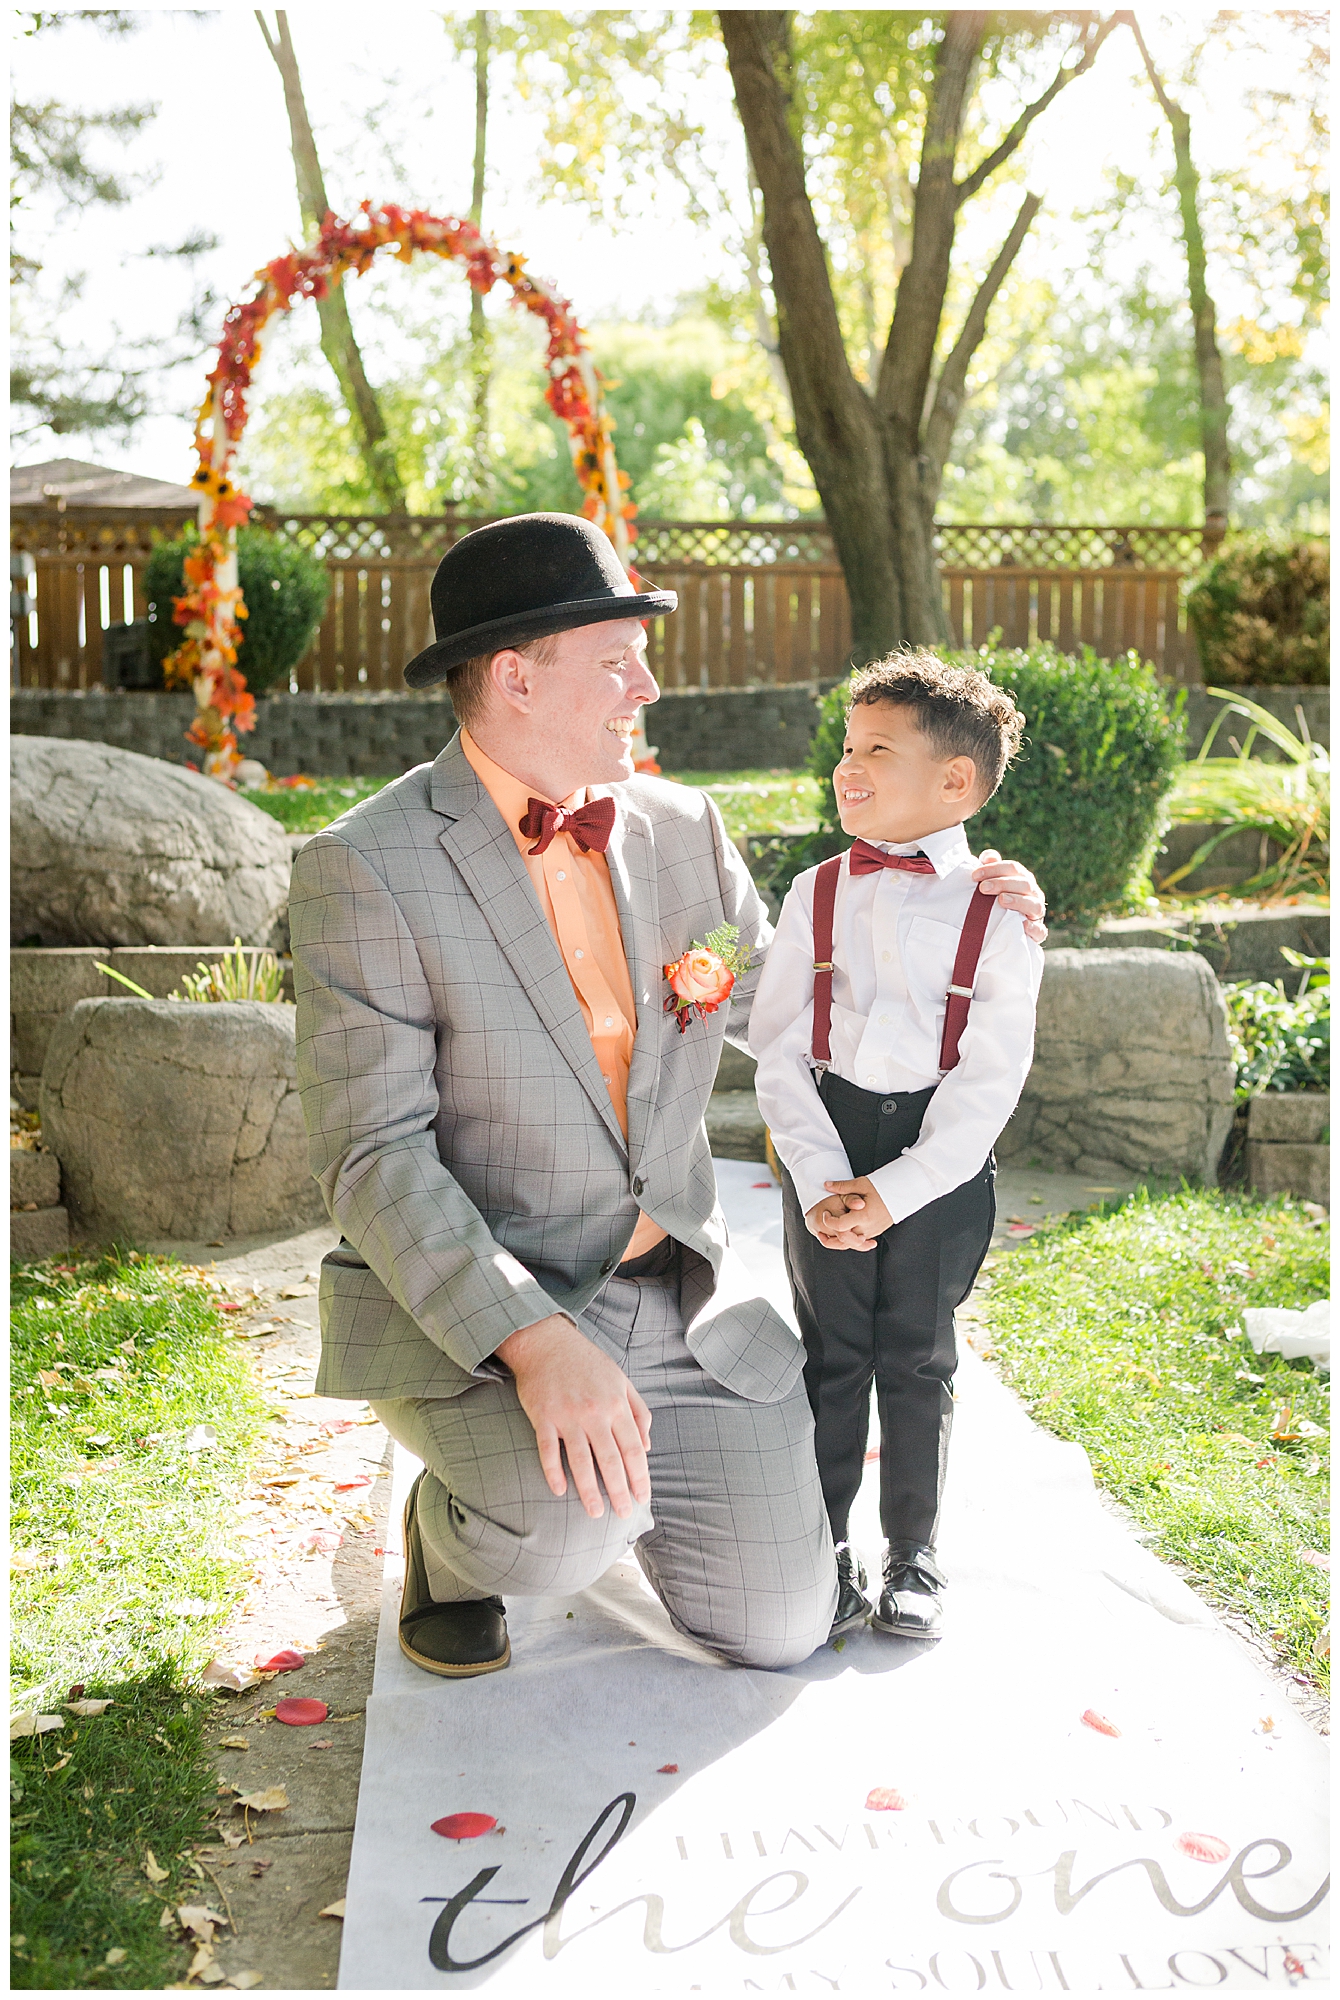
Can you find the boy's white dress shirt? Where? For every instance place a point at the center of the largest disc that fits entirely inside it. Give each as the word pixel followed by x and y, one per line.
pixel 895 937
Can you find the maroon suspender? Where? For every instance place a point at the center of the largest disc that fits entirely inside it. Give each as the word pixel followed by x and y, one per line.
pixel 965 971
pixel 961 980
pixel 825 896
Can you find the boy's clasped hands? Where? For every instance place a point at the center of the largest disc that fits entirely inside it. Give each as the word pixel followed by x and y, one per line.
pixel 850 1217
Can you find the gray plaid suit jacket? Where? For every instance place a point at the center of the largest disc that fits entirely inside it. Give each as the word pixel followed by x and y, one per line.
pixel 458 1122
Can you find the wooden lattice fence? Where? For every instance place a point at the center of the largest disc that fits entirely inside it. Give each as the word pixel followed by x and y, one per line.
pixel 760 602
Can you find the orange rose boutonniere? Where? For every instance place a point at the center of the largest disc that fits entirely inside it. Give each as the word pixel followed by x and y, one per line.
pixel 705 975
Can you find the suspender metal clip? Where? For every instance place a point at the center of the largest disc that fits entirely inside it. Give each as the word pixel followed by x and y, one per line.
pixel 965 991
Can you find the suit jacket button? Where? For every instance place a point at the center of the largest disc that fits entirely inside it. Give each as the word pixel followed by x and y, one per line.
pixel 607 1267
pixel 638 1186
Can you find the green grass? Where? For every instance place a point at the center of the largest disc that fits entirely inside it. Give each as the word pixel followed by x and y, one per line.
pixel 750 801
pixel 123 1566
pixel 1112 1329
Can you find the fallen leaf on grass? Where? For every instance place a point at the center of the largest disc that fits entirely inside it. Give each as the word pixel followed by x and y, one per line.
pixel 218 1674
pixel 322 1743
pixel 887 1798
pixel 205 1967
pixel 464 1825
pixel 243 1980
pixel 301 1711
pixel 116 1956
pixel 234 1743
pixel 334 1909
pixel 1202 1846
pixel 298 1292
pixel 230 1838
pixel 152 1869
pixel 89 1707
pixel 255 1332
pixel 167 1920
pixel 60 1763
pixel 1093 1720
pixel 273 1799
pixel 200 1921
pixel 662 1770
pixel 31 1724
pixel 282 1662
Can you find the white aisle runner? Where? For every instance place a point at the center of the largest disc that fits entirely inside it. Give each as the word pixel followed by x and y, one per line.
pixel 1030 1853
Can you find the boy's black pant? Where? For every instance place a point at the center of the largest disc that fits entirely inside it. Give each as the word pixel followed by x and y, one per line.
pixel 886 1314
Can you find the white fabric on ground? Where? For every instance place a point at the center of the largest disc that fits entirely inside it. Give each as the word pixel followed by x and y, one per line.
pixel 1034 1854
pixel 1279 1330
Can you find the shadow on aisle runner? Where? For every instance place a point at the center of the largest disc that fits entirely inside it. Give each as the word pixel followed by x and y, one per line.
pixel 669 1824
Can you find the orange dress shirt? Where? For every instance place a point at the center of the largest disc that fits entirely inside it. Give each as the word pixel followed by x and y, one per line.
pixel 577 897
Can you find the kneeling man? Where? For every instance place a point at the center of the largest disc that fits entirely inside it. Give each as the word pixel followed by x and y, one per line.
pixel 535 1290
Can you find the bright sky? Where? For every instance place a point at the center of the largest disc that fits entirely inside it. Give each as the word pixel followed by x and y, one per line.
pixel 393 108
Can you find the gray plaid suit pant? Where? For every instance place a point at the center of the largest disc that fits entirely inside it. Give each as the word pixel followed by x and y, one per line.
pixel 736 1542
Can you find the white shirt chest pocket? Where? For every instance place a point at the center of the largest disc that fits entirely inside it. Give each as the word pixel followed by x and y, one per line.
pixel 929 951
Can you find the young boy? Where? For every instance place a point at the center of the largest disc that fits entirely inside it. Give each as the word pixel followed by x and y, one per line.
pixel 883 1111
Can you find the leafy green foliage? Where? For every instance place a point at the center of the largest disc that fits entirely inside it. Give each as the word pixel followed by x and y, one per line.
pixel 284 588
pixel 88 1801
pixel 1123 1332
pixel 1261 612
pixel 1282 1042
pixel 1288 801
pixel 122 1521
pixel 1085 801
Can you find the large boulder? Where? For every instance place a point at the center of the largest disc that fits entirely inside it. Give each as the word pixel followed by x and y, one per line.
pixel 107 848
pixel 1132 1067
pixel 177 1119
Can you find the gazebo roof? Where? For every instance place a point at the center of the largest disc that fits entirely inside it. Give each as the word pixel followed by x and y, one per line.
pixel 71 482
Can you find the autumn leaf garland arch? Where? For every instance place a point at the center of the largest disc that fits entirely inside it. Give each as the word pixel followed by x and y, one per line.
pixel 211 607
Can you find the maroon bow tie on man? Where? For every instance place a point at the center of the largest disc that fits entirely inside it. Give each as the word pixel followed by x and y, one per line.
pixel 590 825
pixel 865 859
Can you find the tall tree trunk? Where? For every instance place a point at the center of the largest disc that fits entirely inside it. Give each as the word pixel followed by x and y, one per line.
pixel 337 334
pixel 1209 361
pixel 835 419
pixel 877 460
pixel 480 359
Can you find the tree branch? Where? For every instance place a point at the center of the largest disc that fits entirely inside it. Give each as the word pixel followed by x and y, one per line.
pixel 1014 137
pixel 948 401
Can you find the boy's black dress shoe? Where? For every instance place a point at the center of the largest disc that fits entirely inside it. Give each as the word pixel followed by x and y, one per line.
pixel 455 1640
pixel 909 1603
pixel 853 1606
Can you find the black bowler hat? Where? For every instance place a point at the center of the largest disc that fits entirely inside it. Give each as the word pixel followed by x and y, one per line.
pixel 522 579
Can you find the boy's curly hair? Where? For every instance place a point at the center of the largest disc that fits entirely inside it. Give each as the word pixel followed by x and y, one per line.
pixel 962 712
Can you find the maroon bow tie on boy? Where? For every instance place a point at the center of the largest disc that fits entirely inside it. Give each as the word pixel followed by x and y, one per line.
pixel 590 825
pixel 865 859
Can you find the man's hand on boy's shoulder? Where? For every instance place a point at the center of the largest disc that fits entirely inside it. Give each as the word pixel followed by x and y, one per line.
pixel 1017 889
pixel 849 1217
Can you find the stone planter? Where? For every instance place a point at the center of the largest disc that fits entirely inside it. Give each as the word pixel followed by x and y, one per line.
pixel 172 1120
pixel 1132 1069
pixel 1288 1144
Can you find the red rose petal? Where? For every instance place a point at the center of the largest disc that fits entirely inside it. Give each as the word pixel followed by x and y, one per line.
pixel 337 1426
pixel 1203 1846
pixel 281 1663
pixel 1094 1720
pixel 352 1485
pixel 887 1798
pixel 300 1711
pixel 464 1826
pixel 228 1306
pixel 663 1770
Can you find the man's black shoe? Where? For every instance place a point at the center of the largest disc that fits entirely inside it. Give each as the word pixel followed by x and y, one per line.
pixel 853 1606
pixel 909 1603
pixel 455 1640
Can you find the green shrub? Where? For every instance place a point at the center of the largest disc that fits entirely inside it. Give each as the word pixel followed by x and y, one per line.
pixel 1261 613
pixel 1085 802
pixel 284 589
pixel 1281 1043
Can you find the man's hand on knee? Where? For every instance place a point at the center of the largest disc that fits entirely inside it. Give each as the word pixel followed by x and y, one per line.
pixel 579 1400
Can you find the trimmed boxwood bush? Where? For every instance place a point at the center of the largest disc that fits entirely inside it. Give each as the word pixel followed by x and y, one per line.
pixel 284 589
pixel 1085 802
pixel 1261 614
